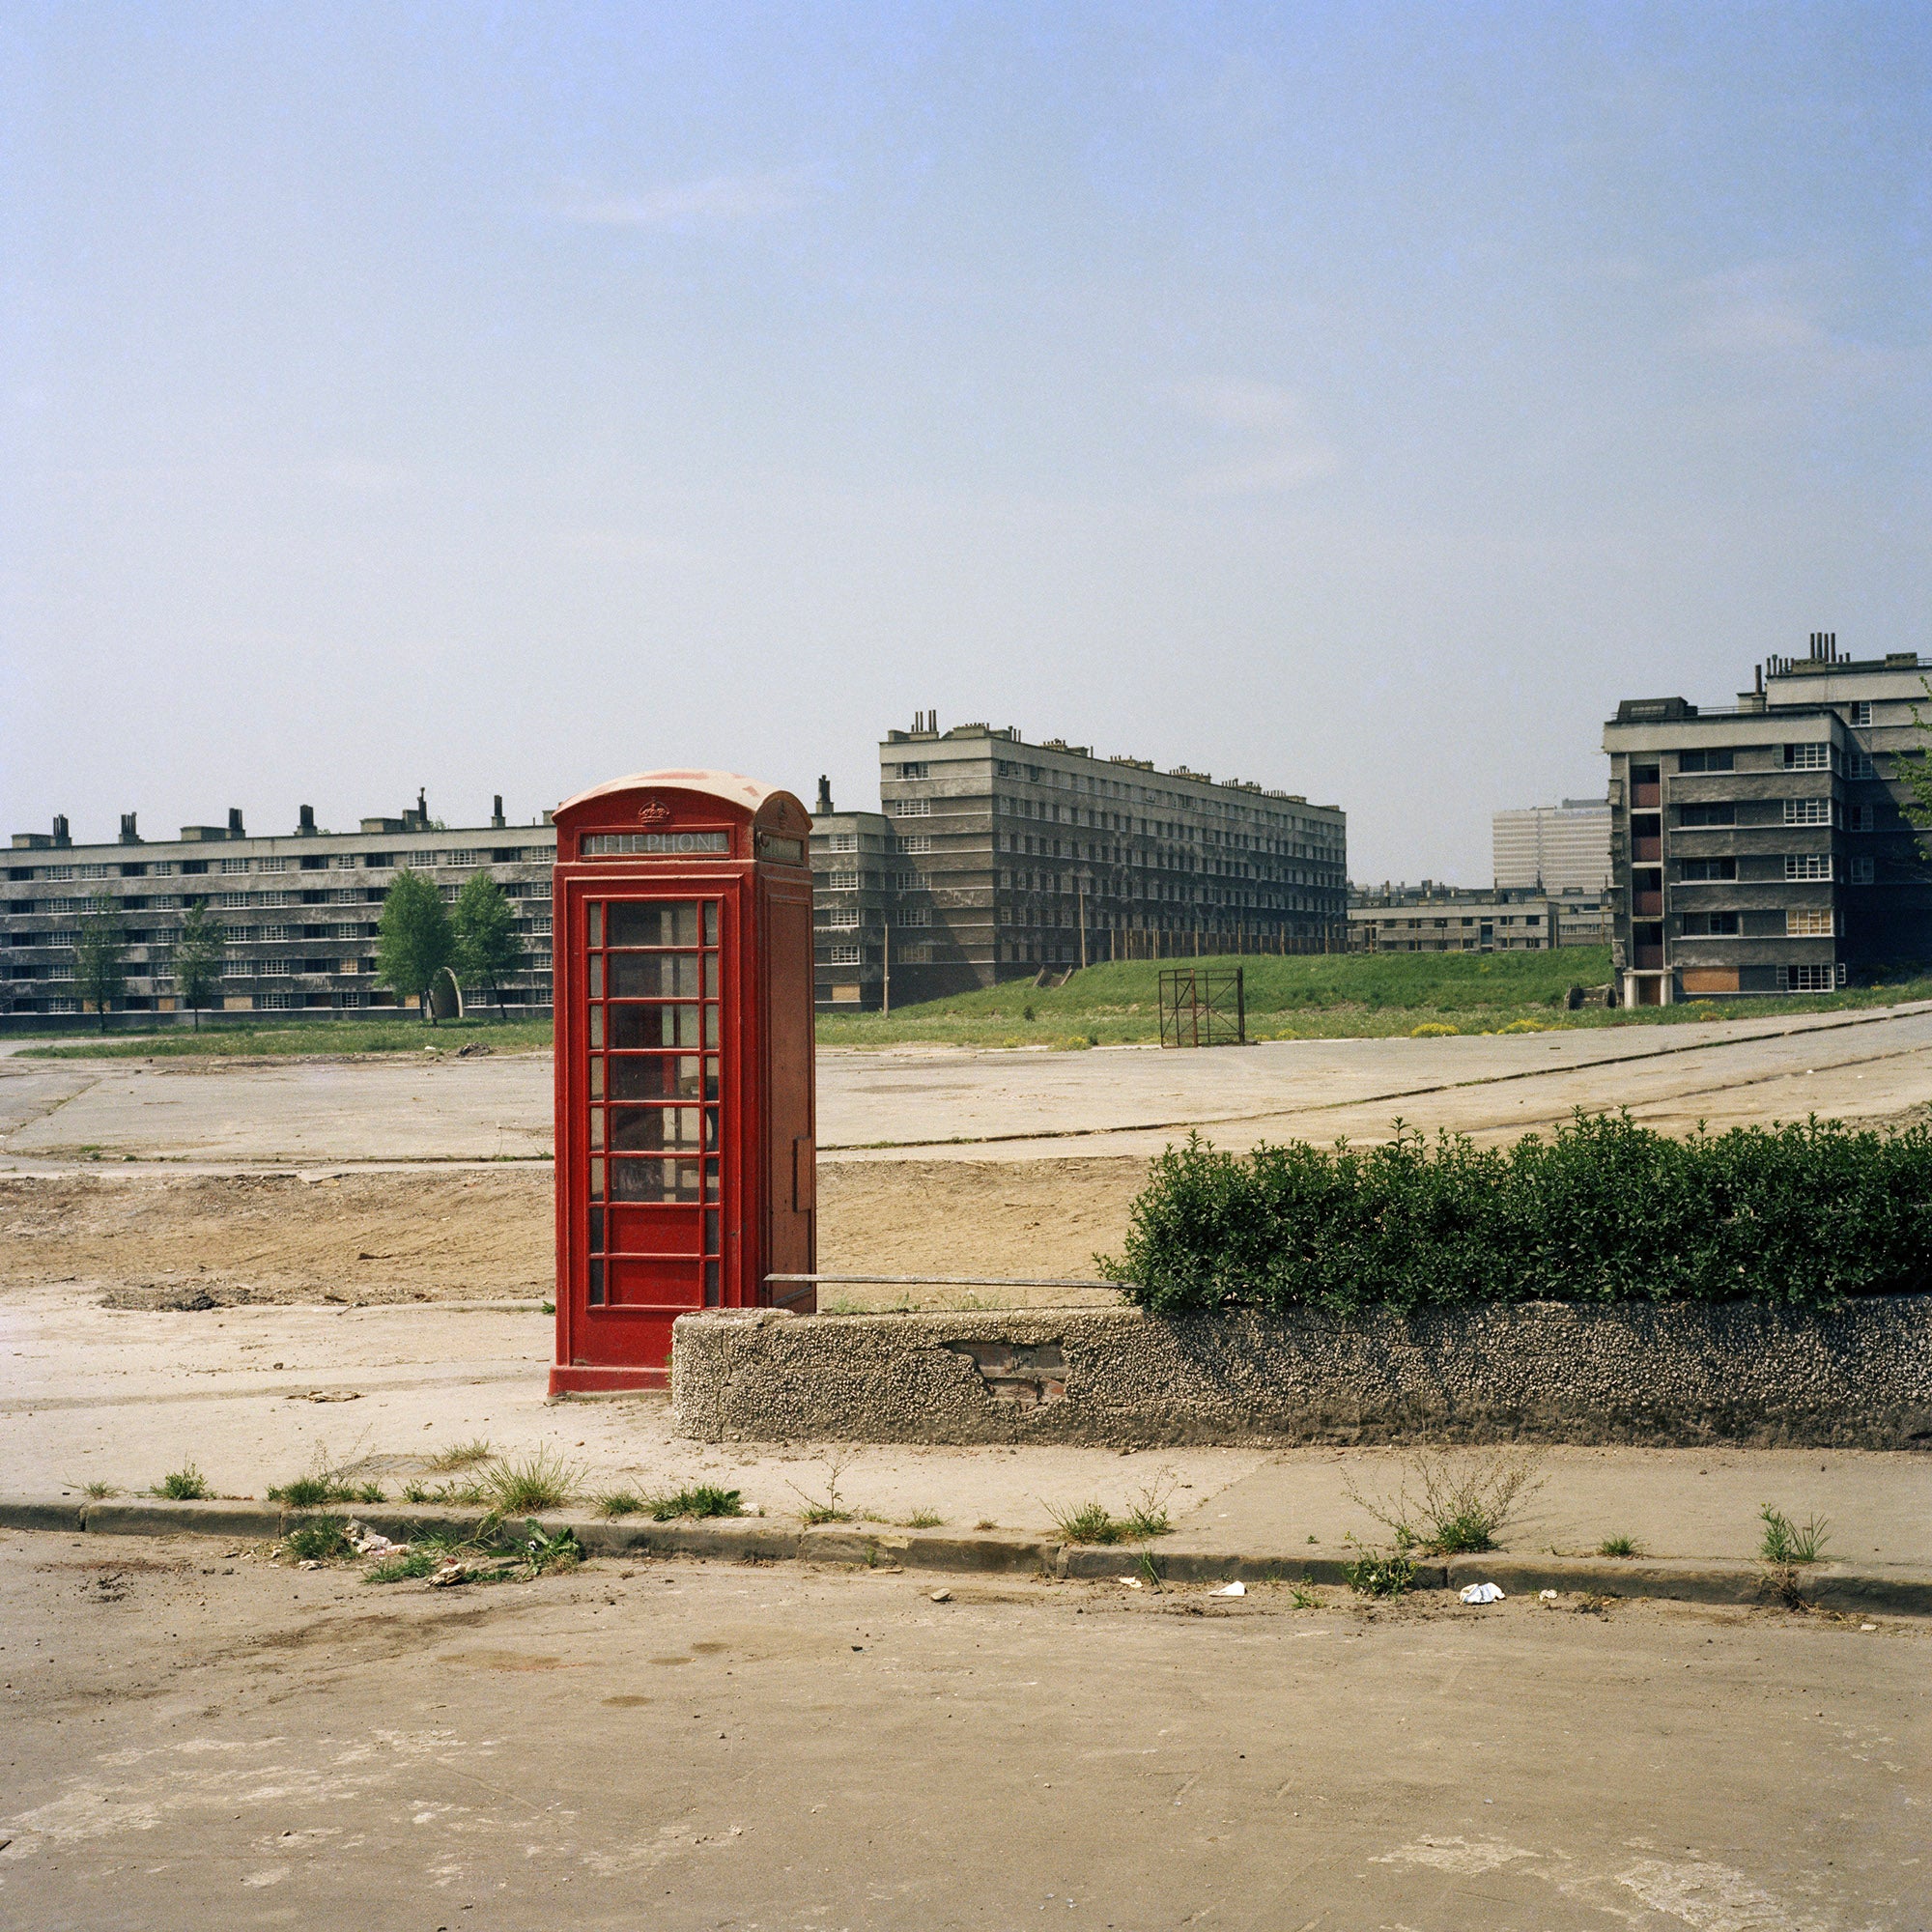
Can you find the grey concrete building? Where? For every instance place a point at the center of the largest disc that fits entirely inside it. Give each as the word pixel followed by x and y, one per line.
pixel 1764 848
pixel 1009 860
pixel 298 911
pixel 856 871
pixel 1447 918
pixel 1553 848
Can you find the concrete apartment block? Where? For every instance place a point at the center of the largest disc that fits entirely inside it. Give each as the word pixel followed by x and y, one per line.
pixel 1553 848
pixel 1451 920
pixel 1002 859
pixel 1764 848
pixel 299 911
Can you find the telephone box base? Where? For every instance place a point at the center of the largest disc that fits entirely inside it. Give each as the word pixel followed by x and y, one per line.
pixel 586 1380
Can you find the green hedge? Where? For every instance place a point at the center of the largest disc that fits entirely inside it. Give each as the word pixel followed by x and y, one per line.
pixel 1798 1216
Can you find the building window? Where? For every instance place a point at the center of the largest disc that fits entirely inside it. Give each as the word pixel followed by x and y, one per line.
pixel 845 956
pixel 1859 765
pixel 1807 758
pixel 1707 814
pixel 1710 925
pixel 1862 872
pixel 1707 869
pixel 229 901
pixel 275 933
pixel 1808 923
pixel 234 865
pixel 841 881
pixel 458 858
pixel 101 872
pixel 1704 761
pixel 1859 818
pixel 1861 711
pixel 842 841
pixel 842 916
pixel 916 916
pixel 451 892
pixel 540 928
pixel 272 969
pixel 912 808
pixel 1813 978
pixel 276 1003
pixel 918 842
pixel 920 770
pixel 1809 812
pixel 1807 864
pixel 273 899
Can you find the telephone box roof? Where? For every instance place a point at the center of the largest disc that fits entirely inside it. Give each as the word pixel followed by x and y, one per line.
pixel 746 794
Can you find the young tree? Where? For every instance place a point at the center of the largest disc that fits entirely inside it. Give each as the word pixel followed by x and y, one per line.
pixel 101 957
pixel 199 948
pixel 415 943
pixel 488 950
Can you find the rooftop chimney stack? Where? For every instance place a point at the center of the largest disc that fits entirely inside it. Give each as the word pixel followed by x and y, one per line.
pixel 824 809
pixel 60 830
pixel 129 835
pixel 497 810
pixel 305 822
pixel 235 829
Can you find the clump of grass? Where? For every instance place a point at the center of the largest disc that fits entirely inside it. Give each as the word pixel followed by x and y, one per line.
pixel 1453 1510
pixel 1380 1572
pixel 619 1503
pixel 99 1492
pixel 417 1560
pixel 985 1523
pixel 315 1492
pixel 924 1518
pixel 1619 1545
pixel 830 1507
pixel 1094 1522
pixel 321 1539
pixel 1302 1598
pixel 461 1456
pixel 186 1484
pixel 542 1479
pixel 701 1499
pixel 1785 1542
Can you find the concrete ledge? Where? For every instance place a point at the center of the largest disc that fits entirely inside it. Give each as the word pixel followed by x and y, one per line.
pixel 1674 1374
pixel 1828 1586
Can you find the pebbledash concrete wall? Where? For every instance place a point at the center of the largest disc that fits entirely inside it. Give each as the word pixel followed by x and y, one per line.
pixel 1681 1373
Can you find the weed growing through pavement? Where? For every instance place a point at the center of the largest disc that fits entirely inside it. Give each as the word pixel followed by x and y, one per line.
pixel 97 1491
pixel 461 1456
pixel 619 1503
pixel 1304 1599
pixel 701 1499
pixel 831 1508
pixel 1619 1545
pixel 540 1553
pixel 1147 1516
pixel 1456 1511
pixel 326 1482
pixel 1786 1541
pixel 925 1520
pixel 1380 1572
pixel 542 1479
pixel 320 1539
pixel 186 1484
pixel 985 1523
pixel 419 1559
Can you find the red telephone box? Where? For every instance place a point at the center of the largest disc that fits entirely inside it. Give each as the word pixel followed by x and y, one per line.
pixel 685 1162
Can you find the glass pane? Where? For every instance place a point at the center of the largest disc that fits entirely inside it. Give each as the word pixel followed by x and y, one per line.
pixel 597 1284
pixel 655 1078
pixel 654 976
pixel 711 1284
pixel 647 1129
pixel 711 1127
pixel 597 976
pixel 596 1026
pixel 711 1231
pixel 648 922
pixel 711 921
pixel 654 1026
pixel 596 1231
pixel 711 1026
pixel 654 1180
pixel 597 1126
pixel 711 976
pixel 710 1079
pixel 597 1179
pixel 711 1178
pixel 596 925
pixel 597 1079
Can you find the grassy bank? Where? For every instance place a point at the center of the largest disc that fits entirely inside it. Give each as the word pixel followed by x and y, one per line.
pixel 313 1037
pixel 1336 996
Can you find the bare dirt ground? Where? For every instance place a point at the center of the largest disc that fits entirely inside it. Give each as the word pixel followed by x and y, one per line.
pixel 198 1736
pixel 171 1241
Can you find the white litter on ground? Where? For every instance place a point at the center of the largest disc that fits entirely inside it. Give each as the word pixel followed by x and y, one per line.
pixel 1233 1590
pixel 1483 1593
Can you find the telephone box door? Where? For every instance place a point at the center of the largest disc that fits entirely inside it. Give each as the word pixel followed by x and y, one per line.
pixel 658 1088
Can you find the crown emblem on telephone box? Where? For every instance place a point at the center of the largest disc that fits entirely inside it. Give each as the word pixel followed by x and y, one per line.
pixel 653 811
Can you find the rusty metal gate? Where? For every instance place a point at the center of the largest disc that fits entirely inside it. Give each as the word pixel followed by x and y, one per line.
pixel 1203 1005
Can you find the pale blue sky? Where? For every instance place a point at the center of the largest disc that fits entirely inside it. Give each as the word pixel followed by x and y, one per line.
pixel 1359 398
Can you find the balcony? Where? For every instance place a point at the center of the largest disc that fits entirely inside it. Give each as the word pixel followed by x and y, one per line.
pixel 1646 848
pixel 1647 905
